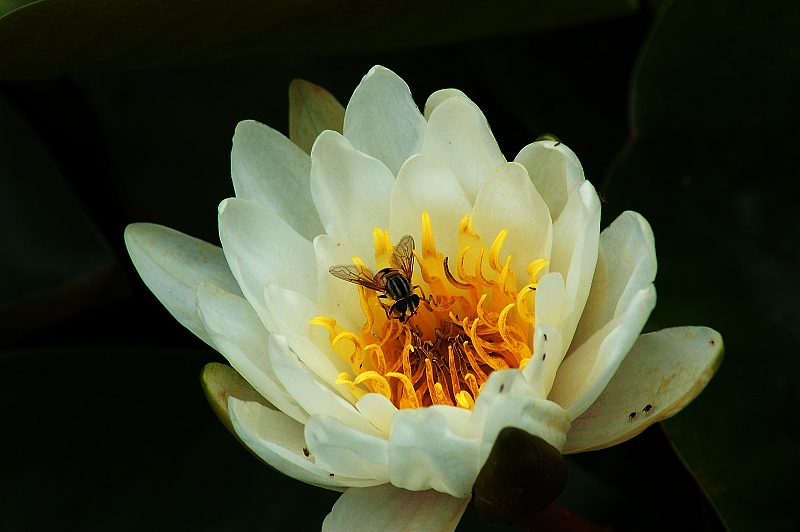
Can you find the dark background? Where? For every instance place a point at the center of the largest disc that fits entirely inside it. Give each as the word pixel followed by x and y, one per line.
pixel 685 111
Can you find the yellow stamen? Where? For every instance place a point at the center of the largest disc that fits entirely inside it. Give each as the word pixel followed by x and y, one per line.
pixel 469 323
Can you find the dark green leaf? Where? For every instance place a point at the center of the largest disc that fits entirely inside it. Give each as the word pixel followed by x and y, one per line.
pixel 51 37
pixel 715 112
pixel 55 262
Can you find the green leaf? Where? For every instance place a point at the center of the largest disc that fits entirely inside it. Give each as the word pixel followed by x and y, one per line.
pixel 712 168
pixel 55 261
pixel 51 37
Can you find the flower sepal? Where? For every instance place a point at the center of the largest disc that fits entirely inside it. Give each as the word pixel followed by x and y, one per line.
pixel 523 475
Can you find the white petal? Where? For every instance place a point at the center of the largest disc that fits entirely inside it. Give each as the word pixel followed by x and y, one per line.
pixel 664 371
pixel 278 440
pixel 554 169
pixel 351 190
pixel 346 451
pixel 459 136
pixel 316 397
pixel 290 314
pixel 585 372
pixel 620 300
pixel 507 399
pixel 241 337
pixel 443 95
pixel 508 200
pixel 428 449
pixel 173 265
pixel 626 263
pixel 270 170
pixel 548 352
pixel 576 236
pixel 378 410
pixel 336 298
pixel 390 509
pixel 382 119
pixel 261 248
pixel 426 184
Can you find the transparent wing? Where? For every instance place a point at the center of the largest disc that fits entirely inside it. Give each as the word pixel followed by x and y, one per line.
pixel 358 275
pixel 403 256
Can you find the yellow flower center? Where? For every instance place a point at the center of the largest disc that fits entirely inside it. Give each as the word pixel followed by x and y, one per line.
pixel 470 322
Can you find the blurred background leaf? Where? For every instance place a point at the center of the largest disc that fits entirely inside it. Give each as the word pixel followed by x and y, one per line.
pixel 55 261
pixel 715 114
pixel 52 37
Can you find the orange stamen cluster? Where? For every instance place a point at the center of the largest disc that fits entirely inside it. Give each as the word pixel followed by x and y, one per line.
pixel 470 322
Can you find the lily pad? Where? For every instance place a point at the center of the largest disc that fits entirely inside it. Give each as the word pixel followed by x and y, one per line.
pixel 714 120
pixel 52 37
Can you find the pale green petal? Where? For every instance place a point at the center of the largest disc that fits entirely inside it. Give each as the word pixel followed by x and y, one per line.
pixel 429 448
pixel 663 373
pixel 173 265
pixel 382 119
pixel 268 169
pixel 508 200
pixel 278 440
pixel 314 395
pixel 242 339
pixel 459 136
pixel 312 110
pixel 554 169
pixel 386 508
pixel 426 184
pixel 344 450
pixel 261 248
pixel 351 190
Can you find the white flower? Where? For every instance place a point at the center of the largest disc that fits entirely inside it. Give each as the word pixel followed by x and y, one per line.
pixel 530 317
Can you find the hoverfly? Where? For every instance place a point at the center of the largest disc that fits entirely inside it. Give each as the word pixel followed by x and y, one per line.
pixel 392 283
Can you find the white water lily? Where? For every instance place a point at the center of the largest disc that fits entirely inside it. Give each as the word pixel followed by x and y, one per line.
pixel 529 316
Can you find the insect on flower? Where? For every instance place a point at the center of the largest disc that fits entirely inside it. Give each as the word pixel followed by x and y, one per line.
pixel 392 283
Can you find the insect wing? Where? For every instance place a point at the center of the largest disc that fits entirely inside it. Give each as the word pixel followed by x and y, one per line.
pixel 403 256
pixel 358 275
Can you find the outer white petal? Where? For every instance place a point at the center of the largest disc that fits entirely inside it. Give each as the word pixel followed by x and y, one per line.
pixel 173 265
pixel 429 448
pixel 508 200
pixel 242 339
pixel 382 119
pixel 576 236
pixel 270 170
pixel 458 135
pixel 261 248
pixel 278 440
pixel 390 509
pixel 346 451
pixel 351 190
pixel 548 351
pixel 426 184
pixel 621 299
pixel 554 169
pixel 664 371
pixel 316 397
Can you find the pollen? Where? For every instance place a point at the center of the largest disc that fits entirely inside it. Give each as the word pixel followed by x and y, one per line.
pixel 473 318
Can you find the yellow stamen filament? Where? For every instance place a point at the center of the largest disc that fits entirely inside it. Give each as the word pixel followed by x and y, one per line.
pixel 469 323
